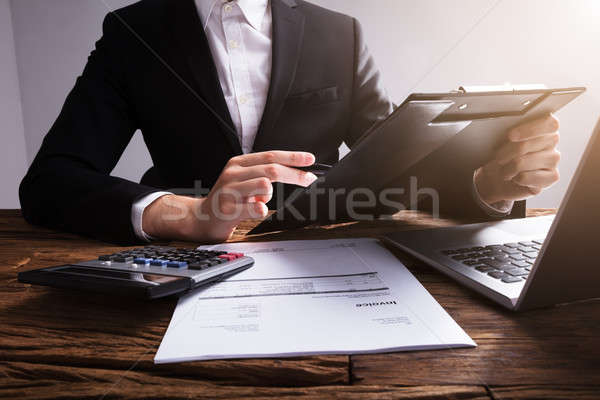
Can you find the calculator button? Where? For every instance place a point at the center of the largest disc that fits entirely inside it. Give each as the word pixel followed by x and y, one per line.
pixel 199 265
pixel 161 256
pixel 176 264
pixel 122 259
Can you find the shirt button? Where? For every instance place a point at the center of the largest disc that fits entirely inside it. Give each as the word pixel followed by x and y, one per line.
pixel 227 8
pixel 243 99
pixel 233 44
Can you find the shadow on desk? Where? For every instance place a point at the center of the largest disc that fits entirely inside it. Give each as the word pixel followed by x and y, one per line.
pixel 58 327
pixel 87 310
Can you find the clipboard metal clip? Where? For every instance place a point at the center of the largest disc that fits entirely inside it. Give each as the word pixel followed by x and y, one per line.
pixel 507 87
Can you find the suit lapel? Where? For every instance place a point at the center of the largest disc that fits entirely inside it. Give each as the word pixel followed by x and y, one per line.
pixel 192 46
pixel 288 31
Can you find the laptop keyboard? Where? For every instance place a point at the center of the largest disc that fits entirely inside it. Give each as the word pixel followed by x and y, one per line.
pixel 508 262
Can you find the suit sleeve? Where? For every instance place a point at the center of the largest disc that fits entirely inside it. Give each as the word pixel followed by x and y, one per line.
pixel 371 104
pixel 68 186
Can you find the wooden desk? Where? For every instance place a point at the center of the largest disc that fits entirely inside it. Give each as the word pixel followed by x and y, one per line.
pixel 64 344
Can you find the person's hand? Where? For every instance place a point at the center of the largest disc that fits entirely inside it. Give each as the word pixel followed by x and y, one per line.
pixel 525 165
pixel 241 192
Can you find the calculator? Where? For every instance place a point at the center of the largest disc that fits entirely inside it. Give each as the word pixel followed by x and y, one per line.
pixel 148 272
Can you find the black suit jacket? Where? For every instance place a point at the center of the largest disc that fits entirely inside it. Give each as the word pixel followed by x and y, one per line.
pixel 152 70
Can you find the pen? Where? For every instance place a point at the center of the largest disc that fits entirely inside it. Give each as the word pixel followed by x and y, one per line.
pixel 317 168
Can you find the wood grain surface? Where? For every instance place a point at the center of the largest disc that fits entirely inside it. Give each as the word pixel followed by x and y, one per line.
pixel 72 345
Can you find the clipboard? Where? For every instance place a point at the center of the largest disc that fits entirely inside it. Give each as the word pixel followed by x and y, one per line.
pixel 493 110
pixel 471 121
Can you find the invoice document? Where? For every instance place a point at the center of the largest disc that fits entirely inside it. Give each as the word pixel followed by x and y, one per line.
pixel 342 296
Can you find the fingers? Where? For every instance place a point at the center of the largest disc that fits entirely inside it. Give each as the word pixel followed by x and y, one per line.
pixel 277 173
pixel 277 166
pixel 290 158
pixel 254 210
pixel 524 165
pixel 537 180
pixel 245 185
pixel 517 192
pixel 235 212
pixel 260 198
pixel 540 160
pixel 241 191
pixel 512 150
pixel 533 129
pixel 241 200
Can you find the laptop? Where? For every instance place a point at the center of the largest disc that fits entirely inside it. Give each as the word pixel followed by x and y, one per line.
pixel 525 263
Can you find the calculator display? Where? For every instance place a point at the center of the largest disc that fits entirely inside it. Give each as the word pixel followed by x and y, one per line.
pixel 147 278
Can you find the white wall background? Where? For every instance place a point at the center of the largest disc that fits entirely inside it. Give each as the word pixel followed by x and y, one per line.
pixel 13 160
pixel 437 45
pixel 426 45
pixel 53 39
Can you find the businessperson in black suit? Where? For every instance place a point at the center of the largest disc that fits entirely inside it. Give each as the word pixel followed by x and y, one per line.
pixel 311 85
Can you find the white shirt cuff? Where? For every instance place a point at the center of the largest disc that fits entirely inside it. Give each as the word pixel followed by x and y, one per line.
pixel 498 209
pixel 137 211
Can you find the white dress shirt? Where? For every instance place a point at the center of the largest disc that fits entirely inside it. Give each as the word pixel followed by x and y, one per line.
pixel 239 35
pixel 240 38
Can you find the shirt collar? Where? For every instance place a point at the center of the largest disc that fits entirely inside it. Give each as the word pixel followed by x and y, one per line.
pixel 253 10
